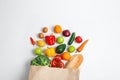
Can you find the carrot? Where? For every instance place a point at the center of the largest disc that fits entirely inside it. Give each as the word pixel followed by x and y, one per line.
pixel 32 41
pixel 80 48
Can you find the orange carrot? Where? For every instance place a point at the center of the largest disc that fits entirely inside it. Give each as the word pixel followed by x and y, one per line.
pixel 80 48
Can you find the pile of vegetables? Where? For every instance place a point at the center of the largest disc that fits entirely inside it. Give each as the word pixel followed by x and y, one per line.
pixel 55 56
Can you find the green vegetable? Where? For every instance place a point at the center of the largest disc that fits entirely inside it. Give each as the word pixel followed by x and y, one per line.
pixel 71 38
pixel 60 48
pixel 41 60
pixel 71 49
pixel 60 40
pixel 37 51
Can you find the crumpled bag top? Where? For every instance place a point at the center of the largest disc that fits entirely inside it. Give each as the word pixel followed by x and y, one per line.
pixel 48 73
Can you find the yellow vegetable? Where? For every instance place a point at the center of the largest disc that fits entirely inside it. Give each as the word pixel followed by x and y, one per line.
pixel 50 52
pixel 41 43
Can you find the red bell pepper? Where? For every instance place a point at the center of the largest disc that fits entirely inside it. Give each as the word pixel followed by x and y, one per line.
pixel 53 63
pixel 50 40
pixel 56 63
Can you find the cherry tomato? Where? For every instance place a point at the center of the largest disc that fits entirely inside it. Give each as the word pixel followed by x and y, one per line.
pixel 78 39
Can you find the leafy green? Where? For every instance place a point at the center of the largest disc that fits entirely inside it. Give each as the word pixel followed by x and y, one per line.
pixel 41 60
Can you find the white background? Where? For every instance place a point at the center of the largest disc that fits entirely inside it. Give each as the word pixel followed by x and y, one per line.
pixel 96 20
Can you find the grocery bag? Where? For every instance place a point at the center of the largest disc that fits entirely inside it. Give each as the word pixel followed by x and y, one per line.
pixel 50 73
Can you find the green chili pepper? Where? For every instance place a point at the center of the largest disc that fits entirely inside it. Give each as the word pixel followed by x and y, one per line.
pixel 71 38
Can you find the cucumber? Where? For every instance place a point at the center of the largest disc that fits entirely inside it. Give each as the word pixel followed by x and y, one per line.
pixel 71 38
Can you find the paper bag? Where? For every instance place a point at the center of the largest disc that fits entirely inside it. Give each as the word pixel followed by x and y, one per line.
pixel 48 73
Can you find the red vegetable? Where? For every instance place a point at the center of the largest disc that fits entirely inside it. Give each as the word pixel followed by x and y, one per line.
pixel 78 39
pixel 32 41
pixel 50 40
pixel 53 63
pixel 66 33
pixel 60 64
pixel 58 58
pixel 56 62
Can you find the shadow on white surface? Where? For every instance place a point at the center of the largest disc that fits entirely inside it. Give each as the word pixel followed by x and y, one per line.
pixel 25 72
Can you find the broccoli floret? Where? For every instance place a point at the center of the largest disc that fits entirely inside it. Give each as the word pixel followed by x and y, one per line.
pixel 41 60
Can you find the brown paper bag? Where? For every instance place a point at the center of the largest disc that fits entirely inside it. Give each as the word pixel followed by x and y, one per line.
pixel 48 73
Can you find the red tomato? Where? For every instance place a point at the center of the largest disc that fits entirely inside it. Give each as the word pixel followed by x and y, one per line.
pixel 78 39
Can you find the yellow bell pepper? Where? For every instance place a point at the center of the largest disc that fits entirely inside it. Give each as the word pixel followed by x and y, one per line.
pixel 50 52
